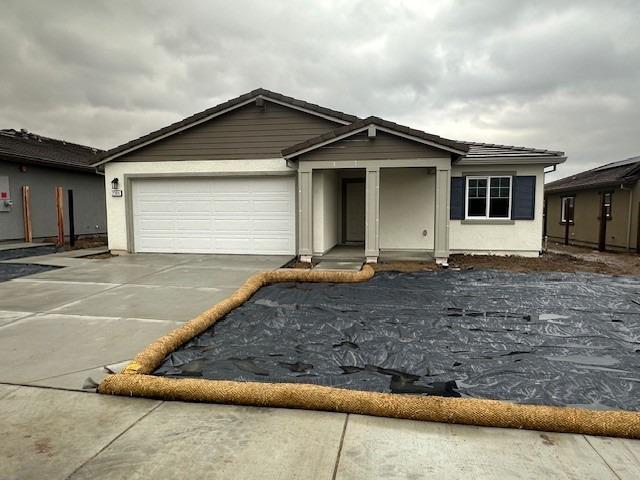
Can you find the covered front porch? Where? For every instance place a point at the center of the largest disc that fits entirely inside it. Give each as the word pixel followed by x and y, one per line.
pixel 371 211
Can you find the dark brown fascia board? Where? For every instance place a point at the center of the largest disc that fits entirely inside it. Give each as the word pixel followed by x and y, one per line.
pixel 593 186
pixel 210 113
pixel 385 126
pixel 43 162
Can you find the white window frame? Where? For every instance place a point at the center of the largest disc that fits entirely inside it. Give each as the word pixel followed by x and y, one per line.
pixel 488 197
pixel 563 209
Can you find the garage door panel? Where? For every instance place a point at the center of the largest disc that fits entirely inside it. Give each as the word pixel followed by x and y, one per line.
pixel 271 226
pixel 215 215
pixel 233 224
pixel 191 207
pixel 269 206
pixel 231 206
pixel 268 244
pixel 194 225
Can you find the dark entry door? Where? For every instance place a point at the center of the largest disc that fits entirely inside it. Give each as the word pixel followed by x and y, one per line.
pixel 353 210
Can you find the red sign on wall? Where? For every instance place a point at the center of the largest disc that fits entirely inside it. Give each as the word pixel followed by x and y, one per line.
pixel 4 195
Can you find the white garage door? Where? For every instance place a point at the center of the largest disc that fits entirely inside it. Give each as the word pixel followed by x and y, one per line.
pixel 215 215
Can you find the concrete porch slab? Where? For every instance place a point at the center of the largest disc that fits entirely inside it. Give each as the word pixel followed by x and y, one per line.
pixel 388 448
pixel 50 345
pixel 76 380
pixel 198 276
pixel 50 260
pixel 7 389
pixel 38 296
pixel 83 252
pixel 51 433
pixel 338 266
pixel 622 455
pixel 166 259
pixel 7 316
pixel 240 262
pixel 17 245
pixel 99 272
pixel 223 442
pixel 148 302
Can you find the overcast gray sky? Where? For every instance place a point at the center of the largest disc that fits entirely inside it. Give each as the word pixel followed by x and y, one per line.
pixel 556 74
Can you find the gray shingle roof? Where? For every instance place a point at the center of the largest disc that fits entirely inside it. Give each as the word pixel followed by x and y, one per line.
pixel 483 150
pixel 375 121
pixel 26 147
pixel 472 149
pixel 609 175
pixel 224 106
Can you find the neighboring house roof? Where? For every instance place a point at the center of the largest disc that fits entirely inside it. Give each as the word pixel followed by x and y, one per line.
pixel 471 152
pixel 360 125
pixel 25 147
pixel 205 115
pixel 612 174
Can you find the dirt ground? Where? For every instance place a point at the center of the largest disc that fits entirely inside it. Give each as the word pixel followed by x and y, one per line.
pixel 82 242
pixel 552 261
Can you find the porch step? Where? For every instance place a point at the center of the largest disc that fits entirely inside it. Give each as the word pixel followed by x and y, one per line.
pixel 338 266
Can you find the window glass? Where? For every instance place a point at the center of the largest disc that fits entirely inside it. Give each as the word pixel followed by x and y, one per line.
pixel 499 197
pixel 567 209
pixel 477 206
pixel 607 205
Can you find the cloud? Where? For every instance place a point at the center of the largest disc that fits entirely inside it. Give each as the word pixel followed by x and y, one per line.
pixel 558 75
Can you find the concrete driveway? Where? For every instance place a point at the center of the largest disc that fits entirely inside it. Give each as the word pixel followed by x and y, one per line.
pixel 59 327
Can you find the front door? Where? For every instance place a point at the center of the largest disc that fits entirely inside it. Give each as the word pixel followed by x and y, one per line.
pixel 353 210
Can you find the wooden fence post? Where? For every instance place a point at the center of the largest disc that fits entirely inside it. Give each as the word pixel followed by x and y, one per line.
pixel 26 213
pixel 60 216
pixel 72 225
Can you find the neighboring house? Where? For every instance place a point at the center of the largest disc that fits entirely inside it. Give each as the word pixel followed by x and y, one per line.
pixel 268 174
pixel 42 164
pixel 596 208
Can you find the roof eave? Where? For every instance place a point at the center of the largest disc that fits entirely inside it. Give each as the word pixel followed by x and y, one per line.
pixel 591 186
pixel 43 162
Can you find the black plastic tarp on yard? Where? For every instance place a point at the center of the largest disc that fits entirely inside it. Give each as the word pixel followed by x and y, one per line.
pixel 538 338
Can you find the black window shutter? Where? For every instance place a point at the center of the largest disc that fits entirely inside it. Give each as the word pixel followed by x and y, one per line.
pixel 457 198
pixel 523 198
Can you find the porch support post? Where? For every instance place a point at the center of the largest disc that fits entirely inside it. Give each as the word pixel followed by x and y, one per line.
pixel 305 215
pixel 372 215
pixel 443 199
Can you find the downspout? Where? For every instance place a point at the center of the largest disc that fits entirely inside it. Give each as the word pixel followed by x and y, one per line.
pixel 629 216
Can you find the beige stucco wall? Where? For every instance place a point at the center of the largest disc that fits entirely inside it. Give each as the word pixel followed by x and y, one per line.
pixel 522 237
pixel 586 227
pixel 407 207
pixel 116 206
pixel 326 201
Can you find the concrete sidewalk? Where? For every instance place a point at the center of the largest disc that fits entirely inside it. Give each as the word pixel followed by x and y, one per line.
pixel 59 327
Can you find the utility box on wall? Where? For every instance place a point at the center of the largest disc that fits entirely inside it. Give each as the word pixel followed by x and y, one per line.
pixel 5 195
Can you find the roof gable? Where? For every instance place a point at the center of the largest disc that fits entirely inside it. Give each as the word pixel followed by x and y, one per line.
pixel 257 95
pixel 377 123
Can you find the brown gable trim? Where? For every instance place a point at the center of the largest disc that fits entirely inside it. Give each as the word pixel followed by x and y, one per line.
pixel 210 113
pixel 384 125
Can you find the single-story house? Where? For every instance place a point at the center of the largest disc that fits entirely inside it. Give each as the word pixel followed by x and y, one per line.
pixel 597 208
pixel 265 173
pixel 32 167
